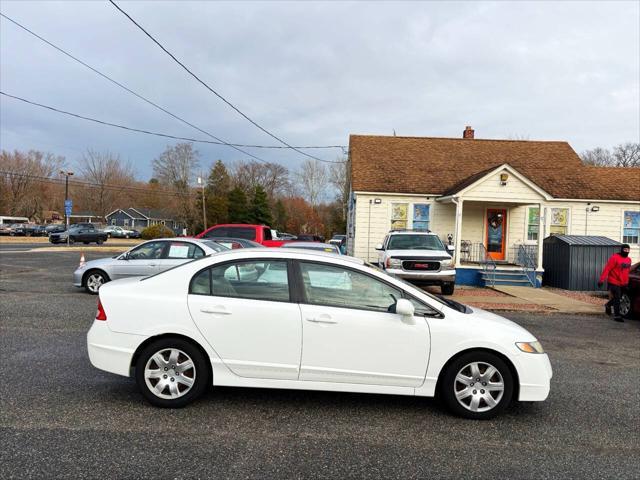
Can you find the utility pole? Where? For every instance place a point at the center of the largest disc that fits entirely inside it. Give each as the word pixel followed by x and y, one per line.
pixel 67 201
pixel 204 207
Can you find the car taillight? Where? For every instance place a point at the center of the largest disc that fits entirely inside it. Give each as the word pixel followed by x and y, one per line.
pixel 100 314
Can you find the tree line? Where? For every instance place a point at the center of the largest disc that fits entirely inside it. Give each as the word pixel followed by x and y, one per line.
pixel 622 155
pixel 311 199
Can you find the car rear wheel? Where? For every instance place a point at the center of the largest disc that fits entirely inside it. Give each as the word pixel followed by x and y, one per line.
pixel 171 373
pixel 625 305
pixel 99 241
pixel 477 385
pixel 447 288
pixel 93 280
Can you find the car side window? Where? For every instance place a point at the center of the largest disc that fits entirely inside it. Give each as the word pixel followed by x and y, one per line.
pixel 422 309
pixel 147 251
pixel 341 287
pixel 264 280
pixel 184 250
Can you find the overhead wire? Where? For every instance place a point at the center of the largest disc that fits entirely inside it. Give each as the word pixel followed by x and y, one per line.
pixel 202 82
pixel 218 141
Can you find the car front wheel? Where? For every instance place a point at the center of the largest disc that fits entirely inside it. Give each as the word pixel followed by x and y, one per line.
pixel 93 280
pixel 625 305
pixel 447 288
pixel 477 385
pixel 171 373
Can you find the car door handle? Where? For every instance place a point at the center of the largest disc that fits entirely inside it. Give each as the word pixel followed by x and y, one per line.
pixel 321 319
pixel 153 264
pixel 218 310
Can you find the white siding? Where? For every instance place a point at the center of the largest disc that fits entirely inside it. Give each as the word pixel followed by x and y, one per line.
pixel 491 189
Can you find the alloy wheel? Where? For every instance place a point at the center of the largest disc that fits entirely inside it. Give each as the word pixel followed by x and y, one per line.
pixel 625 305
pixel 478 387
pixel 94 282
pixel 169 373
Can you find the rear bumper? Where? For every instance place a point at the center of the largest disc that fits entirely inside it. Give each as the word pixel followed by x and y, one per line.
pixel 433 277
pixel 111 351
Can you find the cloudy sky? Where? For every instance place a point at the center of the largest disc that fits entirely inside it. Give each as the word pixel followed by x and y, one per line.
pixel 313 73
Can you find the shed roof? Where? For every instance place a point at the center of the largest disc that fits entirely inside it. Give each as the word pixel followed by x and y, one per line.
pixel 590 240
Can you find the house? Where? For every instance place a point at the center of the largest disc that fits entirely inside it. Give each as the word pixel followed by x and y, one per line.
pixel 141 218
pixel 493 200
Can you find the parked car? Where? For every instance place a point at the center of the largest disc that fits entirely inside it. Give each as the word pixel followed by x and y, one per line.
pixel 630 300
pixel 13 227
pixel 317 246
pixel 286 236
pixel 80 232
pixel 419 257
pixel 5 229
pixel 148 258
pixel 55 228
pixel 340 241
pixel 234 243
pixel 305 237
pixel 258 233
pixel 26 230
pixel 331 323
pixel 119 232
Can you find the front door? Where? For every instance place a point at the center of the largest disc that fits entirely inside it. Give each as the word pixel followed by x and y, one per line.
pixel 496 226
pixel 350 336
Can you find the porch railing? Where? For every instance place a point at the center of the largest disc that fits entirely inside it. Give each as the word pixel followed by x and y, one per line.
pixel 524 256
pixel 488 266
pixel 527 262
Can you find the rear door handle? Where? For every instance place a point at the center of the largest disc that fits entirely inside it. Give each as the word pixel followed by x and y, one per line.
pixel 321 319
pixel 219 310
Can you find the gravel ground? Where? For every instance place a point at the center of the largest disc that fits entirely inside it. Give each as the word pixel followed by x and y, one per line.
pixel 61 418
pixel 587 297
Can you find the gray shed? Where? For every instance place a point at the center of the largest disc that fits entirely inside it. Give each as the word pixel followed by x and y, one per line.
pixel 575 262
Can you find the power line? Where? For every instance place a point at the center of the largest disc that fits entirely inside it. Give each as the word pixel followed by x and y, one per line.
pixel 212 90
pixel 42 178
pixel 115 82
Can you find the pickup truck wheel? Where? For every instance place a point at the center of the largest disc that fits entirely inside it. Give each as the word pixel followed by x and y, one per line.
pixel 71 240
pixel 126 236
pixel 447 288
pixel 93 280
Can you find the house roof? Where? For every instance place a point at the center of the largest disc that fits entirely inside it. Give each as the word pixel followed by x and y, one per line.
pixel 149 213
pixel 583 240
pixel 443 166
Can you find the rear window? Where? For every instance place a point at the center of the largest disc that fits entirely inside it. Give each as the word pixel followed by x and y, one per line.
pixel 236 232
pixel 414 242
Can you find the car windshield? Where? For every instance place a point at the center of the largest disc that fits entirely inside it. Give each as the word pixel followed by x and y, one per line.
pixel 414 242
pixel 216 247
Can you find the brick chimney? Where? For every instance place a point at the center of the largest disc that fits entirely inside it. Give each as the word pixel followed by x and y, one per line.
pixel 468 132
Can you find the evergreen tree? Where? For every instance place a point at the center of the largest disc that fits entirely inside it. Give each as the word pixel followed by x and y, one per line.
pixel 238 208
pixel 217 194
pixel 280 216
pixel 259 212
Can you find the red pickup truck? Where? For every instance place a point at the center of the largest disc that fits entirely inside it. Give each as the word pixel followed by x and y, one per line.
pixel 257 233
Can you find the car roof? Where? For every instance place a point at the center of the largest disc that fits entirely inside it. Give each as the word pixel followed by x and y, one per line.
pixel 310 245
pixel 410 232
pixel 288 253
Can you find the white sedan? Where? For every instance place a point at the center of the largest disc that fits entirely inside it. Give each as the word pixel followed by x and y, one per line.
pixel 325 323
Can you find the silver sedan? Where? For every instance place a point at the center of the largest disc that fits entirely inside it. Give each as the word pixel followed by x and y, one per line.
pixel 148 258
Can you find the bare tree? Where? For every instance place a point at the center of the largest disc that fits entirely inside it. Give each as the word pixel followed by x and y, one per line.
pixel 26 182
pixel 597 157
pixel 272 177
pixel 313 180
pixel 627 155
pixel 104 171
pixel 339 178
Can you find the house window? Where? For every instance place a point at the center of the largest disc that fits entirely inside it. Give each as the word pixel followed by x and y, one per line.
pixel 126 222
pixel 559 221
pixel 421 216
pixel 399 216
pixel 533 224
pixel 631 227
pixel 113 221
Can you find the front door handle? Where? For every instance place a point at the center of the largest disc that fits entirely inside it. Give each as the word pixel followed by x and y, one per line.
pixel 219 310
pixel 321 319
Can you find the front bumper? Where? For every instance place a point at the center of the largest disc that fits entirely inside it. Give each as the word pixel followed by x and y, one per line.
pixel 111 351
pixel 534 372
pixel 77 277
pixel 434 277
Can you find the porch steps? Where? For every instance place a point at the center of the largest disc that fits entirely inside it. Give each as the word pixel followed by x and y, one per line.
pixel 504 277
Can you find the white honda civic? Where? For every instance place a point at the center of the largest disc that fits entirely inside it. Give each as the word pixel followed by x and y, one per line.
pixel 312 321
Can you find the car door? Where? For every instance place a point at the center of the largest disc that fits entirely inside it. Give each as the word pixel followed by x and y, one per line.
pixel 250 322
pixel 144 260
pixel 351 336
pixel 178 252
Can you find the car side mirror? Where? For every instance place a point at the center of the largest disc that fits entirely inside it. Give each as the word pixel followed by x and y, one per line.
pixel 379 247
pixel 451 249
pixel 406 309
pixel 125 256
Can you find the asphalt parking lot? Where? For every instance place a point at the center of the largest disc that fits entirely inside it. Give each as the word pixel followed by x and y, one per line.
pixel 60 417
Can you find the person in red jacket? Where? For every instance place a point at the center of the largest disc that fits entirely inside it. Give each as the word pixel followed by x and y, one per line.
pixel 616 273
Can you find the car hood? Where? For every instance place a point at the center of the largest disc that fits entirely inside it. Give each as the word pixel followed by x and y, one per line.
pixel 435 254
pixel 494 322
pixel 100 262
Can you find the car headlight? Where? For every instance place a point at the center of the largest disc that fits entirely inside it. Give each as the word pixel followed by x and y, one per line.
pixel 530 347
pixel 394 263
pixel 446 263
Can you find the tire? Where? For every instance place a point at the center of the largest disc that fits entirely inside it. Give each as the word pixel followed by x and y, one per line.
pixel 625 306
pixel 93 280
pixel 475 405
pixel 108 235
pixel 71 241
pixel 99 241
pixel 447 288
pixel 175 393
pixel 126 236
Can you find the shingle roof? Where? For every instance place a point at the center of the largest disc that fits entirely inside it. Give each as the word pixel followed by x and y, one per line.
pixel 584 240
pixel 437 165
